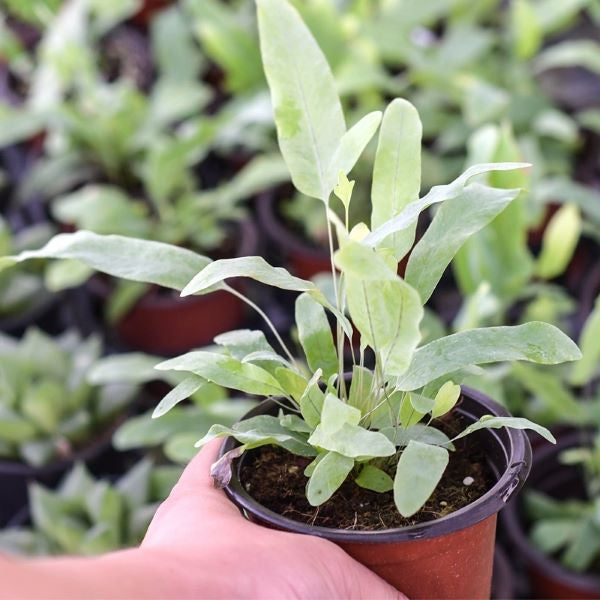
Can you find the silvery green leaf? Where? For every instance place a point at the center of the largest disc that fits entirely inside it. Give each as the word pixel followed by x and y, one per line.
pixel 419 470
pixel 421 403
pixel 537 342
pixel 129 258
pixel 295 423
pixel 397 170
pixel 265 356
pixel 373 478
pixel 226 371
pixel 316 338
pixel 559 242
pixel 584 370
pixel 255 267
pixel 64 274
pixel 328 475
pixel 241 342
pixel 335 413
pixel 362 261
pixel 351 146
pixel 526 30
pixel 353 441
pixel 491 422
pixel 260 431
pixel 445 399
pixel 454 222
pixel 571 53
pixel 308 113
pixel 190 385
pixel 401 436
pixel 131 367
pixel 312 400
pixel 438 193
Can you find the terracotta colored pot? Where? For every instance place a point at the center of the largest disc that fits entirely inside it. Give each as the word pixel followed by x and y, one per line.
pixel 547 577
pixel 305 260
pixel 448 558
pixel 164 323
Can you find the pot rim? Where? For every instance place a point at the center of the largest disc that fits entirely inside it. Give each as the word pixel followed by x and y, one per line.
pixel 513 526
pixel 518 461
pixel 286 238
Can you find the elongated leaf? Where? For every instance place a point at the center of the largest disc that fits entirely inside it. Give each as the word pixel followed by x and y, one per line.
pixel 589 341
pixel 328 475
pixel 353 441
pixel 259 431
pixel 132 367
pixel 397 170
pixel 526 30
pixel 438 193
pixel 312 400
pixel 419 470
pixel 550 535
pixel 254 267
pixel 491 422
pixel 316 338
pixel 571 53
pixel 242 342
pixel 336 413
pixel 226 371
pixel 455 221
pixel 372 478
pixel 402 436
pixel 445 399
pixel 351 146
pixel 190 385
pixel 536 342
pixel 559 241
pixel 308 112
pixel 128 258
pixel 361 261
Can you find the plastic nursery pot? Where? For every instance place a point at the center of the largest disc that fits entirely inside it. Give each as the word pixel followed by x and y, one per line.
pixel 15 476
pixel 547 577
pixel 165 323
pixel 451 557
pixel 305 260
pixel 503 585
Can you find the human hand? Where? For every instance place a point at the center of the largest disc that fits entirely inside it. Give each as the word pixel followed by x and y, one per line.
pixel 225 555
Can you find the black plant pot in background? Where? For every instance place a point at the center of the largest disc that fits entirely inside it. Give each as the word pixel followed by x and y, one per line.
pixel 99 456
pixel 547 577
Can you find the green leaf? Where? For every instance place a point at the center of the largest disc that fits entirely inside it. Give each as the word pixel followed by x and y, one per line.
pixel 351 146
pixel 190 385
pixel 589 341
pixel 308 112
pixel 550 535
pixel 491 422
pixel 64 274
pixel 584 548
pixel 316 338
pixel 559 242
pixel 372 478
pixel 401 436
pixel 572 53
pixel 129 258
pixel 343 190
pixel 242 342
pixel 536 342
pixel 311 401
pixel 527 35
pixel 260 431
pixel 407 414
pixel 131 367
pixel 353 441
pixel 335 413
pixel 226 371
pixel 445 399
pixel 419 470
pixel 439 193
pixel 329 474
pixel 255 267
pixel 421 403
pixel 397 170
pixel 454 222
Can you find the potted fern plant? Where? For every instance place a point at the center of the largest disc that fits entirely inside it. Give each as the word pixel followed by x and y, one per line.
pixel 388 456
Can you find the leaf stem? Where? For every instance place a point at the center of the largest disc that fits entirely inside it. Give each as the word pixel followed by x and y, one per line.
pixel 262 313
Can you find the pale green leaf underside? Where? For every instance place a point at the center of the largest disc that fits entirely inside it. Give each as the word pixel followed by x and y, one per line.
pixel 328 475
pixel 129 258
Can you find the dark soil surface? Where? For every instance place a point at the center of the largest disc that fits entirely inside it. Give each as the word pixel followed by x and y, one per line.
pixel 275 478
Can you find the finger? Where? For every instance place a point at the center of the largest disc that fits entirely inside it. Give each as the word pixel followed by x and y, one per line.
pixel 369 585
pixel 196 475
